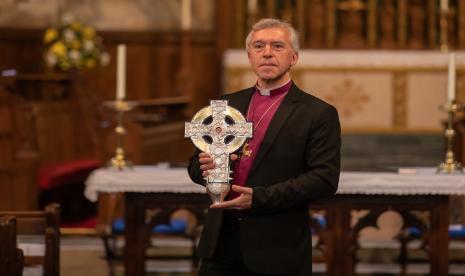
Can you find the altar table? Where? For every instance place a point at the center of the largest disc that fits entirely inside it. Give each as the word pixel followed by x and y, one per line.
pixel 149 190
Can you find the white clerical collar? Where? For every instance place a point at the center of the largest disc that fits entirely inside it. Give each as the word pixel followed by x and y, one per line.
pixel 269 91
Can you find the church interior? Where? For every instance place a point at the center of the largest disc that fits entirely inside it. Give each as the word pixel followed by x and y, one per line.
pixel 95 94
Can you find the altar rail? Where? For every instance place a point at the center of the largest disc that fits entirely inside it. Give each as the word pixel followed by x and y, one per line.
pixel 153 193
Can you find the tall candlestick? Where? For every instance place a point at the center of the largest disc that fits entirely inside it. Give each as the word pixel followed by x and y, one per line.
pixel 444 5
pixel 451 79
pixel 186 15
pixel 121 73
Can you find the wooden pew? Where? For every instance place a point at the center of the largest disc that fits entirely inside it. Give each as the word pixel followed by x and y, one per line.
pixel 11 258
pixel 44 223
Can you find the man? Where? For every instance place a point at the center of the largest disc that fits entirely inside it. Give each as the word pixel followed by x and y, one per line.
pixel 262 228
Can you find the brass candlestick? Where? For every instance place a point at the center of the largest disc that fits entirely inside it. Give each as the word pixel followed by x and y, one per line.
pixel 119 161
pixel 450 165
pixel 443 22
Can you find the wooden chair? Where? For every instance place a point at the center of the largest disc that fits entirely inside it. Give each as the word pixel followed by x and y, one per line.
pixel 11 258
pixel 44 223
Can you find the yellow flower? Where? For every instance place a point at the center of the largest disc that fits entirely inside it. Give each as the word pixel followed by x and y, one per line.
pixel 76 25
pixel 75 44
pixel 50 35
pixel 58 49
pixel 88 33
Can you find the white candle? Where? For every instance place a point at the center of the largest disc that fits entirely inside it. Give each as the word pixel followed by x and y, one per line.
pixel 451 79
pixel 121 73
pixel 186 16
pixel 444 5
pixel 252 6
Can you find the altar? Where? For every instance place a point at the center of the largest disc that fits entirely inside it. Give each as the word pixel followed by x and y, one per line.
pixel 152 193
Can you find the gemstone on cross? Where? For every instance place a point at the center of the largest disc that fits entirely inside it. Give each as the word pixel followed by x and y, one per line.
pixel 227 131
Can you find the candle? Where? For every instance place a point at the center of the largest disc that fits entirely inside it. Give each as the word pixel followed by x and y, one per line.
pixel 121 73
pixel 444 5
pixel 186 16
pixel 451 79
pixel 252 6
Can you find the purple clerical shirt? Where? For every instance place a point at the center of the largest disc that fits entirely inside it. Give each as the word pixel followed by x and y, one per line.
pixel 262 108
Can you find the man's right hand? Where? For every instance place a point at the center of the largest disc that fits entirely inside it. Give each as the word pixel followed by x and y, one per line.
pixel 207 163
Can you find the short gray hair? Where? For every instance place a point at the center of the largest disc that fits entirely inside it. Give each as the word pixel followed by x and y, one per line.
pixel 266 23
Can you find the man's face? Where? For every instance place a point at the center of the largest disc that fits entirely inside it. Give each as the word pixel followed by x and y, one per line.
pixel 271 55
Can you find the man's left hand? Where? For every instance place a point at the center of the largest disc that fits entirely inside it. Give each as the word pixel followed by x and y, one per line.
pixel 242 202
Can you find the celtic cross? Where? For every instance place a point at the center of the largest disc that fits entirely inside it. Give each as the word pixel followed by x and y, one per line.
pixel 219 130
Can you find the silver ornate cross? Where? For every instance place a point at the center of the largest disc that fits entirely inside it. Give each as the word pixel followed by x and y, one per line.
pixel 219 130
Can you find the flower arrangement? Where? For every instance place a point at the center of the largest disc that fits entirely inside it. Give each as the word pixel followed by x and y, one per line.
pixel 74 45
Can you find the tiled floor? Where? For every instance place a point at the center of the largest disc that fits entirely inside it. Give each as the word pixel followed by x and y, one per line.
pixel 85 256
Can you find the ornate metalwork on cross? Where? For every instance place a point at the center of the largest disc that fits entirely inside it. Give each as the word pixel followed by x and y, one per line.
pixel 218 129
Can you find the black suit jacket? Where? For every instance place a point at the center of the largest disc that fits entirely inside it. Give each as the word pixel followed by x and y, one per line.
pixel 298 162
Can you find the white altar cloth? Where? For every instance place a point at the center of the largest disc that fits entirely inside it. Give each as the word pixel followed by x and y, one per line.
pixel 143 179
pixel 158 179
